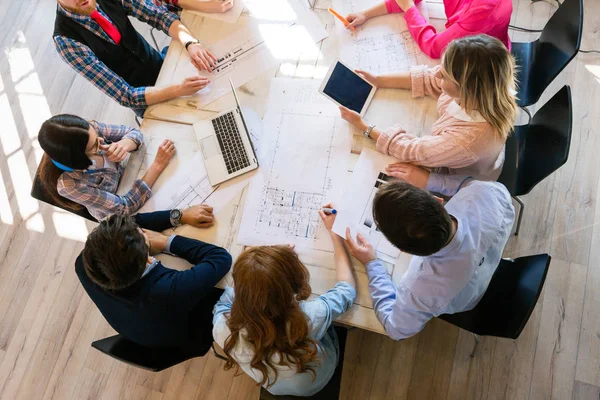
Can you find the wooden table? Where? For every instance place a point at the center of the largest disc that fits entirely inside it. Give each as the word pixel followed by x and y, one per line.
pixel 174 120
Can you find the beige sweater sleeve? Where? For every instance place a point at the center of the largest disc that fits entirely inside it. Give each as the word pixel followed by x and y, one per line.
pixel 424 81
pixel 444 150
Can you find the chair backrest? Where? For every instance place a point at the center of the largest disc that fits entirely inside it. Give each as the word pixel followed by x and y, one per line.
pixel 38 192
pixel 149 358
pixel 536 150
pixel 509 299
pixel 557 45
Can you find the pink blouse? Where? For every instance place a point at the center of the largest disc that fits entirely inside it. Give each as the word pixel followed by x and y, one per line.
pixel 465 17
pixel 461 143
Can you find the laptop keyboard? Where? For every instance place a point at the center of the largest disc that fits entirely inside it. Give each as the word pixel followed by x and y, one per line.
pixel 230 142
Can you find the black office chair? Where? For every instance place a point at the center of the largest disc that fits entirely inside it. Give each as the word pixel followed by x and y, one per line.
pixel 540 61
pixel 148 358
pixel 539 148
pixel 332 389
pixel 508 301
pixel 38 192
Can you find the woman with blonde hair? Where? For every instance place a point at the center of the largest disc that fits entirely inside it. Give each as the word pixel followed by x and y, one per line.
pixel 271 330
pixel 475 86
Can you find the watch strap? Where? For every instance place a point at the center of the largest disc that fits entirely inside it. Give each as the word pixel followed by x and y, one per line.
pixel 191 42
pixel 367 133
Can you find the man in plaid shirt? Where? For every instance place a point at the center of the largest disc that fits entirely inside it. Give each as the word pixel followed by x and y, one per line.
pixel 97 39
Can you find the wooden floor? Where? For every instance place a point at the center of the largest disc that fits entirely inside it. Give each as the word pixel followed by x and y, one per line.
pixel 47 322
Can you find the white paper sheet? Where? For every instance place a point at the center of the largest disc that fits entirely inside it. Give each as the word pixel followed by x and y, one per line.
pixel 274 31
pixel 230 16
pixel 355 209
pixel 382 44
pixel 308 149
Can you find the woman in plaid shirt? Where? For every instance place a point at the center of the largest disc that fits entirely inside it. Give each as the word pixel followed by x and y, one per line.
pixel 82 165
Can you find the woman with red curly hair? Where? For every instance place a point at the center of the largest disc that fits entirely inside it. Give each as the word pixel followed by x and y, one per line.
pixel 271 330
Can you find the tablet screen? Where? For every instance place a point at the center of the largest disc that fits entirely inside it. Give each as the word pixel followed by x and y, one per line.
pixel 347 88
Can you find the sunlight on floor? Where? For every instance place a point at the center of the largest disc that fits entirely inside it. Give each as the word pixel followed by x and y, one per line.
pixel 595 70
pixel 36 223
pixel 69 226
pixel 33 104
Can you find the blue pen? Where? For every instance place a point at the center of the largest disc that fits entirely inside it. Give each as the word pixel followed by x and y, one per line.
pixel 329 210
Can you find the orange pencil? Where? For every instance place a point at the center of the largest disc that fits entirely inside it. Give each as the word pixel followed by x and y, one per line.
pixel 338 16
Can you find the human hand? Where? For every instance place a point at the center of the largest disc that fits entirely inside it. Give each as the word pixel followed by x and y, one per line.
pixel 157 241
pixel 361 249
pixel 116 151
pixel 328 219
pixel 416 176
pixel 368 76
pixel 200 216
pixel 191 85
pixel 201 57
pixel 355 19
pixel 215 6
pixel 165 152
pixel 405 4
pixel 353 118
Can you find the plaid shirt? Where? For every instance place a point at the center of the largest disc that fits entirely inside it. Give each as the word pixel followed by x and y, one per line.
pixel 85 62
pixel 95 189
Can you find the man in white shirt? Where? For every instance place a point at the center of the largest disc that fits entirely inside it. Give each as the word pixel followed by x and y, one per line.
pixel 455 248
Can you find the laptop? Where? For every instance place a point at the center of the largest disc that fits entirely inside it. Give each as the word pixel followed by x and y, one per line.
pixel 225 143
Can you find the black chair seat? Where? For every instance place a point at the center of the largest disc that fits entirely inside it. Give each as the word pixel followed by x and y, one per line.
pixel 536 150
pixel 332 390
pixel 38 192
pixel 508 301
pixel 151 359
pixel 539 62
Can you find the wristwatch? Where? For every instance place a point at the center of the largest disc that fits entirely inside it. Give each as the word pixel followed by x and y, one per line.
pixel 175 217
pixel 367 133
pixel 191 42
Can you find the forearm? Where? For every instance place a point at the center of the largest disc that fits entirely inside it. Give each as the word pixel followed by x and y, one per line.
pixel 211 261
pixel 178 31
pixel 399 80
pixel 156 221
pixel 375 132
pixel 152 174
pixel 343 265
pixel 448 185
pixel 381 289
pixel 155 95
pixel 376 11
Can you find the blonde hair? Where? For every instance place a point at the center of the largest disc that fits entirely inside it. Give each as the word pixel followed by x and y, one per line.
pixel 484 71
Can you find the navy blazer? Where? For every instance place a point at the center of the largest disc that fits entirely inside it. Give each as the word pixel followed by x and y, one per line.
pixel 166 308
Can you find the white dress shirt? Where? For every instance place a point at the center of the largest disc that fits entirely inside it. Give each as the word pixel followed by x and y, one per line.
pixel 455 278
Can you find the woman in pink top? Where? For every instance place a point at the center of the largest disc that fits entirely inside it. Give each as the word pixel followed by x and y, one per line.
pixel 465 18
pixel 476 103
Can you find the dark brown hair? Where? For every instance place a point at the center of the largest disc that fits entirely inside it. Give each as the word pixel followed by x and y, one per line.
pixel 63 138
pixel 269 282
pixel 115 253
pixel 411 219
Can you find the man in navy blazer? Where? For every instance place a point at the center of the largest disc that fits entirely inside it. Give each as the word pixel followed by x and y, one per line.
pixel 144 301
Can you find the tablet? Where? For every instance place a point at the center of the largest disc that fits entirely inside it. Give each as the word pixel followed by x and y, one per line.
pixel 346 88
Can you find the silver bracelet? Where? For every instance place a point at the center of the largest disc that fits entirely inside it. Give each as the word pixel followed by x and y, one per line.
pixel 367 133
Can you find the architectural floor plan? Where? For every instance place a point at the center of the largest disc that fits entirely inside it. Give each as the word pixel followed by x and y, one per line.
pixel 309 146
pixel 382 44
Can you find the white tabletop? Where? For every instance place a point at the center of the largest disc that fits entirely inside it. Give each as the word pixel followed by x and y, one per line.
pixel 174 120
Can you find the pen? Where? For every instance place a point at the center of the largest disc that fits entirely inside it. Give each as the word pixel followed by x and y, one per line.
pixel 329 210
pixel 338 16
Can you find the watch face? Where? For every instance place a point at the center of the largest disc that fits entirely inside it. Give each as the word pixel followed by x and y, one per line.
pixel 175 214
